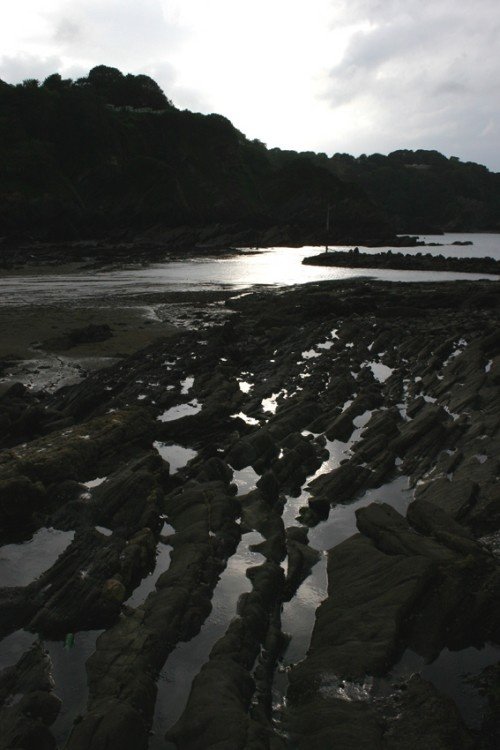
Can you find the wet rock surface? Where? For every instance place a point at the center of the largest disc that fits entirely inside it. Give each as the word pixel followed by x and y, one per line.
pixel 294 415
pixel 28 704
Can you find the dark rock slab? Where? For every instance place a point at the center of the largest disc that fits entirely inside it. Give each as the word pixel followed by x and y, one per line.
pixel 217 712
pixel 28 705
pixel 420 718
pixel 259 446
pixel 123 671
pixel 79 453
pixel 455 498
pixel 357 627
pixel 392 534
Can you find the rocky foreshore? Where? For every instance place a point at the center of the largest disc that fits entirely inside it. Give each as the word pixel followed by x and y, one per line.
pixel 404 262
pixel 281 426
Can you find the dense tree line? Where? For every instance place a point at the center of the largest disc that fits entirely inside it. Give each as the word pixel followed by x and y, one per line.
pixel 421 191
pixel 110 153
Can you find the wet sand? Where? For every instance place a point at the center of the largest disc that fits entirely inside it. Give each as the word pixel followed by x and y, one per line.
pixel 29 331
pixel 33 350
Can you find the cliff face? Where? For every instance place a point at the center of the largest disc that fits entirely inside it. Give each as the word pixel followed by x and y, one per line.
pixel 74 164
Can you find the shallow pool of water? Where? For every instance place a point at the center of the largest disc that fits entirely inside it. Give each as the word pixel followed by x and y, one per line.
pixel 21 564
pixel 449 673
pixel 70 678
pixel 186 660
pixel 245 479
pixel 341 523
pixel 177 456
pixel 182 410
pixel 299 614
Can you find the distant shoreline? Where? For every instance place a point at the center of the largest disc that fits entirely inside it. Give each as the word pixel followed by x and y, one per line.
pixel 181 243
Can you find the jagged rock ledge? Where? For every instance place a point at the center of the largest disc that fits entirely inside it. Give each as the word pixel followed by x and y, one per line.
pixel 402 262
pixel 407 378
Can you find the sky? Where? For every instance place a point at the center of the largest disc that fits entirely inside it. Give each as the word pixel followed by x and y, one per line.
pixel 353 76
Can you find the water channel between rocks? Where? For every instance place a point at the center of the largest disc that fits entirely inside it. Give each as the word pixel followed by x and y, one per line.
pixel 275 266
pixel 186 660
pixel 21 564
pixel 298 615
pixel 452 673
pixel 70 678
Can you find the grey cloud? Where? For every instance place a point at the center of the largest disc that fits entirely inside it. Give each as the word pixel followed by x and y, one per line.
pixel 428 74
pixel 115 32
pixel 184 98
pixel 135 37
pixel 14 69
pixel 454 88
pixel 67 31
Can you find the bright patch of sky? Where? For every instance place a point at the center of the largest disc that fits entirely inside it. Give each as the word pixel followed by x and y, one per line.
pixel 356 76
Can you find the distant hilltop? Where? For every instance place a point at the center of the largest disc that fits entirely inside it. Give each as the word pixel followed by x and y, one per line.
pixel 110 155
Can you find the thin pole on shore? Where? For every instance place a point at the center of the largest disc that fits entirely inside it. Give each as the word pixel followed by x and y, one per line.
pixel 327 226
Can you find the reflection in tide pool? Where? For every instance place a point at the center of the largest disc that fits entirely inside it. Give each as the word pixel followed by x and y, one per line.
pixel 186 385
pixel 94 482
pixel 245 480
pixel 68 670
pixel 341 523
pixel 248 420
pixel 337 452
pixel 176 455
pixel 270 404
pixel 186 660
pixel 245 386
pixel 299 614
pixel 450 673
pixel 21 564
pixel 70 678
pixel 380 371
pixel 182 410
pixel 162 564
pixel 148 583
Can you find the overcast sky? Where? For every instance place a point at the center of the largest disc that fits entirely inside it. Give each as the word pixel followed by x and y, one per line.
pixel 356 76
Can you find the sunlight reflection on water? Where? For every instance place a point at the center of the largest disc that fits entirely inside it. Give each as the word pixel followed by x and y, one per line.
pixel 274 266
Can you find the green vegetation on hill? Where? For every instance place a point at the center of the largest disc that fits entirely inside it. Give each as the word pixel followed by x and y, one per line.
pixel 109 154
pixel 421 191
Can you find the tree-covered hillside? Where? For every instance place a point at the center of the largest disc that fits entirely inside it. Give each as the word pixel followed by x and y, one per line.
pixel 420 191
pixel 110 155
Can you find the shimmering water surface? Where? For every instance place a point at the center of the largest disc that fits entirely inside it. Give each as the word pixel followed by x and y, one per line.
pixel 274 266
pixel 187 659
